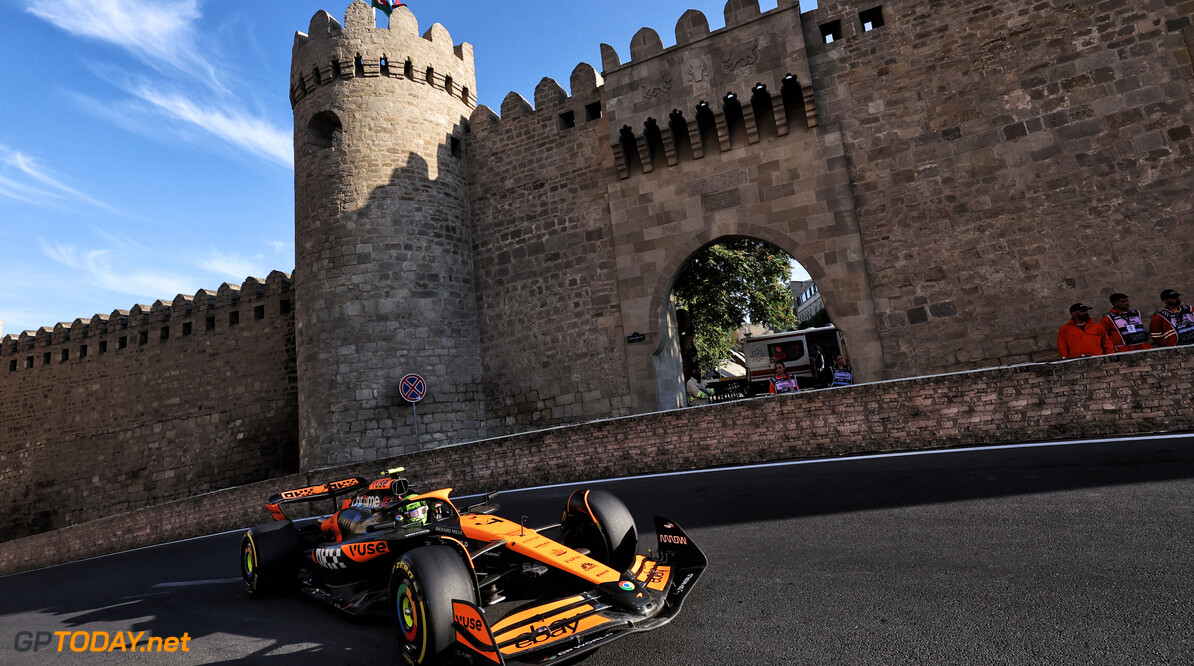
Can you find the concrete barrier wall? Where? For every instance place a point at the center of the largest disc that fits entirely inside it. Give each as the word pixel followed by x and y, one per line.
pixel 1136 393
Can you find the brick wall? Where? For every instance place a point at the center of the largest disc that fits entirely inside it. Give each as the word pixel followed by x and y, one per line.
pixel 128 410
pixel 1136 393
pixel 1008 159
pixel 551 334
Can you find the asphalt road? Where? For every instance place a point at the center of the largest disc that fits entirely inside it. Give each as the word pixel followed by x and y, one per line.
pixel 1071 554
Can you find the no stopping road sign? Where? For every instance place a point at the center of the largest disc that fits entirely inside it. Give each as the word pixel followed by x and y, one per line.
pixel 412 387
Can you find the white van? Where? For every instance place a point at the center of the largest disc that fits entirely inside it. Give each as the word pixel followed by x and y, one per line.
pixel 792 348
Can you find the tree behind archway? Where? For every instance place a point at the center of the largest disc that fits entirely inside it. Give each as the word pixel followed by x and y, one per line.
pixel 727 284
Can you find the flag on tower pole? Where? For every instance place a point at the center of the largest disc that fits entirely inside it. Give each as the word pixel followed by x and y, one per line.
pixel 387 6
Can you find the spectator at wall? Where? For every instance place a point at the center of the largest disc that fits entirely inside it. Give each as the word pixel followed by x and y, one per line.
pixel 1124 326
pixel 697 393
pixel 1173 324
pixel 822 372
pixel 783 382
pixel 1080 336
pixel 843 374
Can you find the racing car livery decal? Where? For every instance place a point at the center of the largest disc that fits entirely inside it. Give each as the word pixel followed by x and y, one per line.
pixel 468 583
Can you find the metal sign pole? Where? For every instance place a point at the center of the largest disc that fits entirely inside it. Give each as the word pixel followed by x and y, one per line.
pixel 415 407
pixel 413 388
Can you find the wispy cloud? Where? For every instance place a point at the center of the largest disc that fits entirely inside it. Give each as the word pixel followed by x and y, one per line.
pixel 159 32
pixel 235 266
pixel 23 179
pixel 229 124
pixel 98 267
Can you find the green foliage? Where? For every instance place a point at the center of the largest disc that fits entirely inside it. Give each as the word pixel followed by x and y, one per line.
pixel 819 318
pixel 729 283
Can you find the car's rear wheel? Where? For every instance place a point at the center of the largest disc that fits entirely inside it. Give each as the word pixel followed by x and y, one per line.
pixel 599 521
pixel 422 586
pixel 269 558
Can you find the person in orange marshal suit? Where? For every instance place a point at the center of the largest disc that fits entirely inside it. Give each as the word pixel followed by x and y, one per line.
pixel 1080 336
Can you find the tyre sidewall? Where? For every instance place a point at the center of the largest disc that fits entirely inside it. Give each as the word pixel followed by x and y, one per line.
pixel 423 584
pixel 268 558
pixel 603 524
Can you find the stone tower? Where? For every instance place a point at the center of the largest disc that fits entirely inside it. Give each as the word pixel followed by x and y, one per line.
pixel 382 235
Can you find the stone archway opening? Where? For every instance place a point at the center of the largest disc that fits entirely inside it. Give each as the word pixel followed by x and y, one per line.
pixel 728 289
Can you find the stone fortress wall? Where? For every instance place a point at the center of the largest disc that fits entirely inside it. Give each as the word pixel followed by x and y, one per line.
pixel 952 178
pixel 384 283
pixel 1008 159
pixel 120 411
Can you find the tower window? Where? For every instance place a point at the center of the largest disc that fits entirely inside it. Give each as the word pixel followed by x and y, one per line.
pixel 233 318
pixel 457 150
pixel 359 66
pixel 448 84
pixel 259 312
pixel 831 32
pixel 385 66
pixel 592 112
pixel 567 120
pixel 871 19
pixel 324 131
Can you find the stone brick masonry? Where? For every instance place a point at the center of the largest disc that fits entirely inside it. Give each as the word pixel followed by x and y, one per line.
pixel 121 411
pixel 1135 393
pixel 953 174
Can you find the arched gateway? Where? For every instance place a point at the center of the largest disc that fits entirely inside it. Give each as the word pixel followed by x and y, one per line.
pixel 728 144
pixel 657 240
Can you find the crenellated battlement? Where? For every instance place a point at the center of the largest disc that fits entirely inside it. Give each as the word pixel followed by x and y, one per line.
pixel 712 90
pixel 185 315
pixel 582 104
pixel 329 52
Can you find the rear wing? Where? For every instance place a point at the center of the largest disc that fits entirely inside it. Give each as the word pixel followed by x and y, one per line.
pixel 313 493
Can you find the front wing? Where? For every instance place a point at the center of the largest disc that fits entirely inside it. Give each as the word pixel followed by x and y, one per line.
pixel 566 628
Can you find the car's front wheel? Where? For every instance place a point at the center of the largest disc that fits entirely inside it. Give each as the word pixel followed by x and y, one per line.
pixel 269 558
pixel 422 586
pixel 599 522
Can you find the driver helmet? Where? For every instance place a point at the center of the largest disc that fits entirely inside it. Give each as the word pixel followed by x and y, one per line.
pixel 415 513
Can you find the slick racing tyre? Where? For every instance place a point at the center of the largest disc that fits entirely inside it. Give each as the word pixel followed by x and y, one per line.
pixel 269 558
pixel 422 586
pixel 599 521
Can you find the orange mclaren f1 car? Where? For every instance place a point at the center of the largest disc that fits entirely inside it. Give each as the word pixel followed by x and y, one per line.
pixel 469 586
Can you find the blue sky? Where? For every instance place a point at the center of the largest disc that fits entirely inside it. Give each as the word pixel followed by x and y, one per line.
pixel 145 145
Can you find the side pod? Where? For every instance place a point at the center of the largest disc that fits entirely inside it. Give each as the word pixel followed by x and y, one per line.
pixel 473 634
